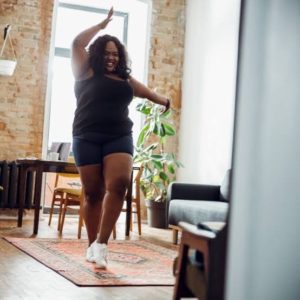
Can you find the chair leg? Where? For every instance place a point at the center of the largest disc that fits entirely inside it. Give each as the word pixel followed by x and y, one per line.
pixel 60 215
pixel 139 219
pixel 131 221
pixel 80 221
pixel 114 232
pixel 64 210
pixel 51 210
pixel 80 224
pixel 175 236
pixel 180 289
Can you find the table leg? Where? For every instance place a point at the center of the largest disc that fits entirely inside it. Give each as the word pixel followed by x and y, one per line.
pixel 129 203
pixel 21 194
pixel 37 198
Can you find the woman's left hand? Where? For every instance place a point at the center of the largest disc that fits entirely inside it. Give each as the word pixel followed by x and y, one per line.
pixel 167 106
pixel 108 18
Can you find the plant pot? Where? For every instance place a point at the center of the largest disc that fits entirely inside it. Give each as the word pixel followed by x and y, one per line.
pixel 156 213
pixel 7 67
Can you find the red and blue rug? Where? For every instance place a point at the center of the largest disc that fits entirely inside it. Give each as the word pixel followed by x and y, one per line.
pixel 130 262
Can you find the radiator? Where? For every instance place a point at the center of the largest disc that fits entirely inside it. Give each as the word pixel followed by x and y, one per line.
pixel 9 180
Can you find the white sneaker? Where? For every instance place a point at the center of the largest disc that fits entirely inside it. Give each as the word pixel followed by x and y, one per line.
pixel 90 255
pixel 99 255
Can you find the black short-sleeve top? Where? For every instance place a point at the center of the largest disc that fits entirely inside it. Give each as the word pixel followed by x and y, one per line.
pixel 102 106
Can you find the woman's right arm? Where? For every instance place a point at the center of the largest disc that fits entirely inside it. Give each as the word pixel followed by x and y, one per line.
pixel 79 56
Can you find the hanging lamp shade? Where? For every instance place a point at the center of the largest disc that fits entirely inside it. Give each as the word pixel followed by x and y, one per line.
pixel 7 67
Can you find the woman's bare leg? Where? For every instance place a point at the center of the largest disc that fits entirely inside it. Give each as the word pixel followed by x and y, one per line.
pixel 93 187
pixel 117 169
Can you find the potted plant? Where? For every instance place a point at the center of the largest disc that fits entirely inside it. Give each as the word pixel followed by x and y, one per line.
pixel 159 165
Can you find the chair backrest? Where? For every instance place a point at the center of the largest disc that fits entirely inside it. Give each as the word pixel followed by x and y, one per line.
pixel 67 177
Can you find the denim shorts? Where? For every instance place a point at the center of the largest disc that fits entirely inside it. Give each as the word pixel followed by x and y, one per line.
pixel 91 148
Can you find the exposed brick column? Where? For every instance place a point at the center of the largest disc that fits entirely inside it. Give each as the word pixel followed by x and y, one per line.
pixel 22 96
pixel 166 54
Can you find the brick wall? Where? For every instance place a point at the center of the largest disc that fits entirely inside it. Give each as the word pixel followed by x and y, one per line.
pixel 166 54
pixel 22 96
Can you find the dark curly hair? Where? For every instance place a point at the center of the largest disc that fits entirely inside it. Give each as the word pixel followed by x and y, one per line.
pixel 96 56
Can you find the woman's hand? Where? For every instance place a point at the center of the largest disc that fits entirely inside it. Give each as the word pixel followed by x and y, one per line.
pixel 167 106
pixel 104 23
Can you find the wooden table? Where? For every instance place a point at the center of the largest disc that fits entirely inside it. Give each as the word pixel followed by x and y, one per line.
pixel 43 166
pixel 39 167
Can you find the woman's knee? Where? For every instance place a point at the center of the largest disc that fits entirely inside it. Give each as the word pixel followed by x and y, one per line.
pixel 93 196
pixel 118 185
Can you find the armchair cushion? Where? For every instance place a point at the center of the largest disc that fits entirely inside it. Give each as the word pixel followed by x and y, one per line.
pixel 193 212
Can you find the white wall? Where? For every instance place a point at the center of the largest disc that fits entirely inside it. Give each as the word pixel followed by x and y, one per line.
pixel 208 90
pixel 264 244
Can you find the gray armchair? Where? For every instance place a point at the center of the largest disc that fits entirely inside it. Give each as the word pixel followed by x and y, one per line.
pixel 197 203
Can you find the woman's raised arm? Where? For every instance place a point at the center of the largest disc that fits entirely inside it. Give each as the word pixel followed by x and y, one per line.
pixel 79 56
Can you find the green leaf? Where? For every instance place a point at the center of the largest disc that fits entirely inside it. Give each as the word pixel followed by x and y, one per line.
pixel 169 129
pixel 139 106
pixel 156 179
pixel 156 130
pixel 157 156
pixel 150 147
pixel 163 176
pixel 157 164
pixel 143 108
pixel 167 114
pixel 141 138
pixel 162 131
pixel 171 169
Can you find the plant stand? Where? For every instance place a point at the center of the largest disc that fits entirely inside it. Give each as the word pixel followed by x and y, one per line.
pixel 156 213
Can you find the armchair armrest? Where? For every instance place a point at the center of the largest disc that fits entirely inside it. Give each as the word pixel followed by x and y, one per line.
pixel 205 234
pixel 209 282
pixel 186 276
pixel 187 191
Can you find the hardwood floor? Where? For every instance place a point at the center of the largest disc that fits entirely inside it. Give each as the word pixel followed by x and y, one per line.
pixel 22 277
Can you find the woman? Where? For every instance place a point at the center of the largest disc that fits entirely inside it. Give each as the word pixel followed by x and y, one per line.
pixel 102 131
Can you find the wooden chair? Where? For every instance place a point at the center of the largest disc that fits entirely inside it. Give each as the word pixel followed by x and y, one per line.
pixel 73 200
pixel 136 201
pixel 201 274
pixel 65 198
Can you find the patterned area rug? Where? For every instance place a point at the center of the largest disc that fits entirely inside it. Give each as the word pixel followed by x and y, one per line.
pixel 130 263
